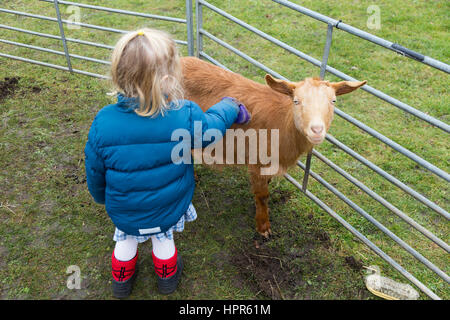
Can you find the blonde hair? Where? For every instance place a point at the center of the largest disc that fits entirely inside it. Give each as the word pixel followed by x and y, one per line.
pixel 145 64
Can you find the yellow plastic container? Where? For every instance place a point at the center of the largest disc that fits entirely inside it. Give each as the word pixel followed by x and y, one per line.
pixel 387 288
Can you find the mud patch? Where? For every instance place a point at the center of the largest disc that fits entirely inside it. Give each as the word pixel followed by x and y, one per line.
pixel 75 177
pixel 323 237
pixel 303 265
pixel 8 86
pixel 263 270
pixel 353 263
pixel 278 273
pixel 279 197
pixel 36 89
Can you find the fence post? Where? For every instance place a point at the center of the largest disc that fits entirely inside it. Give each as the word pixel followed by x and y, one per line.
pixel 190 27
pixel 326 51
pixel 63 37
pixel 199 17
pixel 323 69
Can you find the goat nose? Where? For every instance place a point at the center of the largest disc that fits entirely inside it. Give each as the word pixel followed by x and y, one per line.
pixel 317 129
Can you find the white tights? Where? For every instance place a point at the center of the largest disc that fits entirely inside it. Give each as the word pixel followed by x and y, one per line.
pixel 126 250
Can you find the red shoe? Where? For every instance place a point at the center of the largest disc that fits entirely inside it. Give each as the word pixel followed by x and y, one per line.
pixel 169 272
pixel 124 273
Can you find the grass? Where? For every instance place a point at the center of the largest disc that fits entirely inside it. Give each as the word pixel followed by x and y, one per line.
pixel 48 220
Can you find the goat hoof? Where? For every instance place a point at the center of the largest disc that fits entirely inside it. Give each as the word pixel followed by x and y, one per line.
pixel 266 234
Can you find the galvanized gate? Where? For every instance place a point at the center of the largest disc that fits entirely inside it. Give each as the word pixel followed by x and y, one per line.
pixel 331 25
pixel 188 21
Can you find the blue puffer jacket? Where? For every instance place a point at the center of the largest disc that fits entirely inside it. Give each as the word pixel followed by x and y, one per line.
pixel 129 166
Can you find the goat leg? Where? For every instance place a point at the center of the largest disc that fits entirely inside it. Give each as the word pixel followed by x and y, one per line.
pixel 260 188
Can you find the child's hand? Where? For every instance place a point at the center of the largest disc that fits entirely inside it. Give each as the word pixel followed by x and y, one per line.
pixel 243 115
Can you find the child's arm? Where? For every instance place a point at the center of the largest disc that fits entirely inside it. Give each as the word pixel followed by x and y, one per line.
pixel 95 168
pixel 220 116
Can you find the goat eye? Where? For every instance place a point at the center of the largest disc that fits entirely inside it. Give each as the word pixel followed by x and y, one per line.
pixel 333 101
pixel 296 102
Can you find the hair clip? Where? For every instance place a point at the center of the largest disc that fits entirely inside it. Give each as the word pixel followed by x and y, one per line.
pixel 140 33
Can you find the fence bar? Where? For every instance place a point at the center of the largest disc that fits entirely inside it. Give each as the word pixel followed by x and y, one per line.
pixel 26 14
pixel 395 102
pixel 131 13
pixel 63 37
pixel 41 63
pixel 383 201
pixel 261 34
pixel 440 173
pixel 367 36
pixel 204 55
pixel 34 62
pixel 307 170
pixel 401 105
pixel 86 25
pixel 51 36
pixel 19 44
pixel 380 226
pixel 388 177
pixel 323 67
pixel 240 53
pixel 326 53
pixel 93 44
pixel 199 21
pixel 366 241
pixel 35 33
pixel 190 27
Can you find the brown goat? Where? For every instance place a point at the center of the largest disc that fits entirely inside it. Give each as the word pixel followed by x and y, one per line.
pixel 301 111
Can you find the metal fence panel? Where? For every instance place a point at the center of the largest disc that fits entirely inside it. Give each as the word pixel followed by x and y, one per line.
pixel 188 21
pixel 331 24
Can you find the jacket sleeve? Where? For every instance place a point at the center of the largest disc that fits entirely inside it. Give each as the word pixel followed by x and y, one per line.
pixel 95 168
pixel 219 117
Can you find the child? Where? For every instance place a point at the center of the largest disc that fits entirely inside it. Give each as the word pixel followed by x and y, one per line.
pixel 128 155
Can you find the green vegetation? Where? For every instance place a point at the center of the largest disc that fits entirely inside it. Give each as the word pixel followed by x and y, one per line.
pixel 48 220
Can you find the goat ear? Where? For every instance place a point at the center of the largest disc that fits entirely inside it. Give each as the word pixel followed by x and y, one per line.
pixel 281 86
pixel 344 87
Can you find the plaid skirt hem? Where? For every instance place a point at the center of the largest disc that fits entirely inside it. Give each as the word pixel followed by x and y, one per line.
pixel 189 215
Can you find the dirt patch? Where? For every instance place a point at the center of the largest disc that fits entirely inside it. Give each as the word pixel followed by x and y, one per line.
pixel 8 87
pixel 353 263
pixel 36 89
pixel 279 197
pixel 75 177
pixel 285 268
pixel 278 273
pixel 265 271
pixel 323 237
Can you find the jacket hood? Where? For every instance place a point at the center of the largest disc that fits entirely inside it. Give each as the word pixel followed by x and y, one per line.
pixel 127 102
